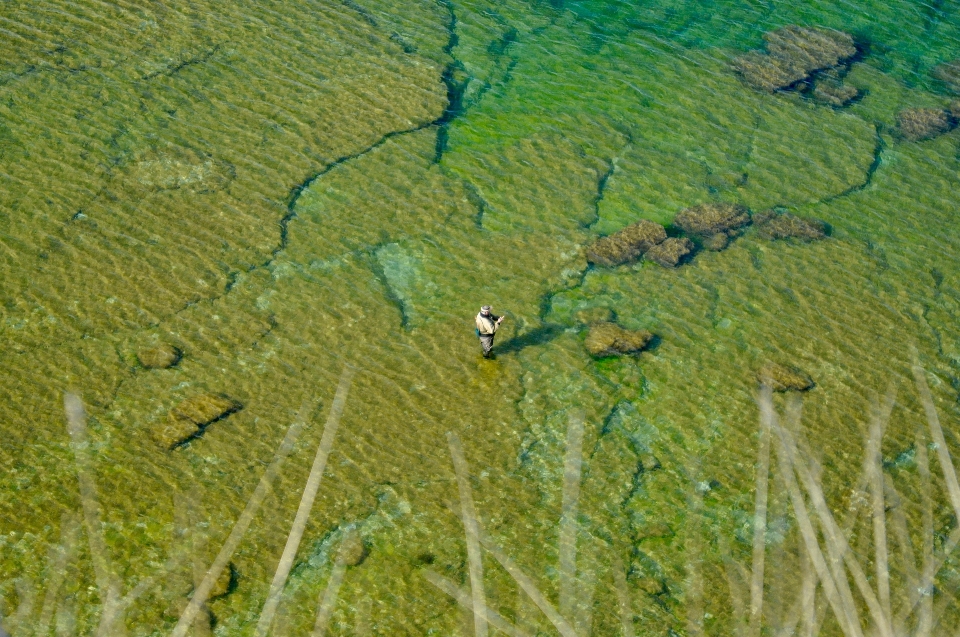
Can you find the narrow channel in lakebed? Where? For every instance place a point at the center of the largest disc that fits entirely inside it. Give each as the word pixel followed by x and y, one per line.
pixel 243 246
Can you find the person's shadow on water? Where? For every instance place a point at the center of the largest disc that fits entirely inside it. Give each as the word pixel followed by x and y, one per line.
pixel 538 336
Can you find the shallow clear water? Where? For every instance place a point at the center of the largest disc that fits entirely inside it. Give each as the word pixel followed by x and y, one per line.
pixel 286 191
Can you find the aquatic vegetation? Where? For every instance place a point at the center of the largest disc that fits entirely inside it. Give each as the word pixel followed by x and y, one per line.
pixel 671 252
pixel 710 219
pixel 773 225
pixel 918 124
pixel 627 244
pixel 793 54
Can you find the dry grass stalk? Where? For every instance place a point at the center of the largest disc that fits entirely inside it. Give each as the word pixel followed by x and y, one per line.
pixel 471 529
pixel 213 573
pixel 107 581
pixel 936 433
pixel 466 601
pixel 569 527
pixel 623 595
pixel 838 547
pixel 846 615
pixel 330 593
pixel 925 624
pixel 561 624
pixel 898 523
pixel 760 513
pixel 873 467
pixel 60 556
pixel 306 503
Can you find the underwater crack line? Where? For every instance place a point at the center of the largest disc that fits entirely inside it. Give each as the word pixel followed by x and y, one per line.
pixel 192 61
pixel 878 149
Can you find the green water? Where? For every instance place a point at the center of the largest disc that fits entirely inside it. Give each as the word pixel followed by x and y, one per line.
pixel 283 190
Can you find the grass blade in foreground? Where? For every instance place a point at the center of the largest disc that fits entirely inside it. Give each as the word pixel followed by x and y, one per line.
pixel 306 503
pixel 471 528
pixel 464 599
pixel 760 513
pixel 572 465
pixel 243 523
pixel 846 616
pixel 103 571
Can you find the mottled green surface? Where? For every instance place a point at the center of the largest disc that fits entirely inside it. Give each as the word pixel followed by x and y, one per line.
pixel 279 191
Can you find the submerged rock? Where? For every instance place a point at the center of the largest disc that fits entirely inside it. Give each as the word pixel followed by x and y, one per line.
pixel 793 54
pixel 188 419
pixel 224 583
pixel 916 124
pixel 159 357
pixel 784 378
pixel 773 225
pixel 954 110
pixel 627 244
pixel 609 339
pixel 766 73
pixel 352 550
pixel 811 49
pixel 708 219
pixel 671 252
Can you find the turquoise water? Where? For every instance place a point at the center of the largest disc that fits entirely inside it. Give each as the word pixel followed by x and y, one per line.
pixel 283 192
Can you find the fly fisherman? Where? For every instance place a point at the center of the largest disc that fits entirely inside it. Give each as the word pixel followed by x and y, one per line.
pixel 487 324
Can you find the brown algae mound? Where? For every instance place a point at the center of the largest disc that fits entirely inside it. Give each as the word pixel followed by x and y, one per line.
pixel 159 357
pixel 917 124
pixel 671 252
pixel 626 245
pixel 793 54
pixel 189 418
pixel 708 220
pixel 774 225
pixel 609 339
pixel 784 378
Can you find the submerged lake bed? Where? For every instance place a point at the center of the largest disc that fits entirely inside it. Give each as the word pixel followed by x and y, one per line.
pixel 243 247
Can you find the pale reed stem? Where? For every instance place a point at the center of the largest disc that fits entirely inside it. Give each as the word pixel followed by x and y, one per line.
pixel 838 547
pixel 569 527
pixel 760 512
pixel 329 599
pixel 202 592
pixel 926 586
pixel 525 583
pixel 874 468
pixel 107 582
pixel 471 530
pixel 306 504
pixel 60 556
pixel 936 433
pixel 846 616
pixel 623 595
pixel 466 601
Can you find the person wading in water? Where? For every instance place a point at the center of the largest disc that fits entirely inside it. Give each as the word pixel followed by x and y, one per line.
pixel 487 324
